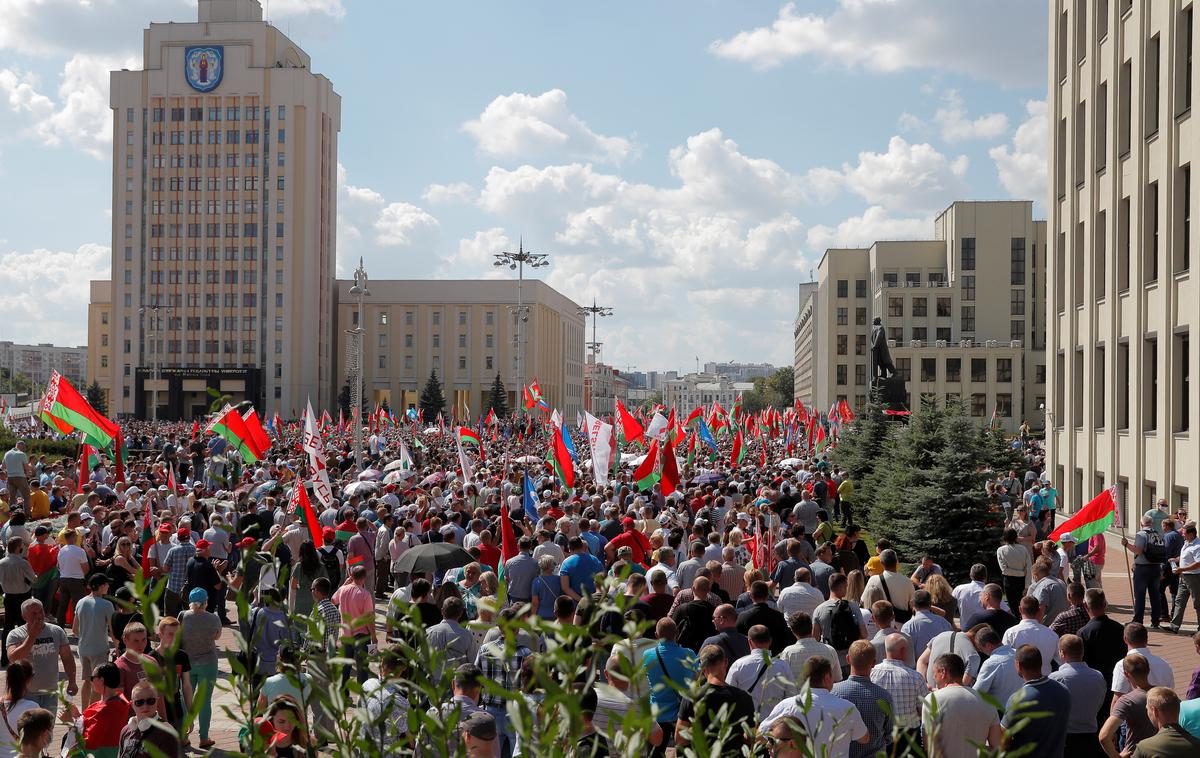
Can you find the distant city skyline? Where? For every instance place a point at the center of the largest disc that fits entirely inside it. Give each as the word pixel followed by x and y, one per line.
pixel 690 181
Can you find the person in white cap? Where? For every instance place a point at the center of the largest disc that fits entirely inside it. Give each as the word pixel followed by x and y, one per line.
pixel 1066 555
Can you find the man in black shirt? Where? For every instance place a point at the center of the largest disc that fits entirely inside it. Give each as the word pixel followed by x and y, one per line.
pixel 761 613
pixel 702 713
pixel 728 638
pixel 695 619
pixel 993 615
pixel 1103 641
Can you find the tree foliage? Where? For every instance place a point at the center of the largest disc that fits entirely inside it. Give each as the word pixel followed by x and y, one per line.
pixel 497 399
pixel 432 401
pixel 861 447
pixel 927 490
pixel 97 398
pixel 343 399
pixel 774 391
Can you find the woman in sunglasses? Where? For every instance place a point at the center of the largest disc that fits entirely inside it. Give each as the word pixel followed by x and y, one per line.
pixel 145 728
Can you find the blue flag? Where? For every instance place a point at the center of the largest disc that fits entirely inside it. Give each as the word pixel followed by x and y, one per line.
pixel 566 435
pixel 530 500
pixel 707 438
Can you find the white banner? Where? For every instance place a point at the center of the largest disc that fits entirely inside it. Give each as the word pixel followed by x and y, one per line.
pixel 464 463
pixel 658 425
pixel 600 439
pixel 310 442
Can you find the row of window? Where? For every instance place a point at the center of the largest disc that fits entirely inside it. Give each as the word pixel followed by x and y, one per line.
pixel 195 300
pixel 208 160
pixel 489 318
pixel 951 370
pixel 247 183
pixel 210 230
pixel 211 253
pixel 488 362
pixel 209 207
pixel 231 113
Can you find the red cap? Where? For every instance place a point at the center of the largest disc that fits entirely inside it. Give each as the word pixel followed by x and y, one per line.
pixel 329 535
pixel 184 533
pixel 247 542
pixel 165 529
pixel 201 544
pixel 627 521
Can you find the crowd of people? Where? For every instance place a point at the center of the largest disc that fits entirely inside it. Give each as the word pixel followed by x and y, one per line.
pixel 768 618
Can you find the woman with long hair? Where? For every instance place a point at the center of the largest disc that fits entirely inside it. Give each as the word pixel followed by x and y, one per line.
pixel 199 632
pixel 307 569
pixel 35 730
pixel 856 582
pixel 396 548
pixel 122 567
pixel 13 705
pixel 288 723
pixel 943 597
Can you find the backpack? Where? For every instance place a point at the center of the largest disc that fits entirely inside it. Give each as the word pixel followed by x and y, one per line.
pixel 843 626
pixel 333 566
pixel 1156 549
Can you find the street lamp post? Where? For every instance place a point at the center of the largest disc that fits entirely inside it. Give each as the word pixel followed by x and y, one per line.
pixel 151 336
pixel 517 262
pixel 360 291
pixel 595 311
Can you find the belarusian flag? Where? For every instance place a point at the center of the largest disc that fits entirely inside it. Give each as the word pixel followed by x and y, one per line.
pixel 645 476
pixel 559 459
pixel 1094 518
pixel 739 449
pixel 631 430
pixel 670 468
pixel 466 435
pixel 491 417
pixel 254 425
pixel 994 422
pixel 88 458
pixel 65 410
pixel 230 425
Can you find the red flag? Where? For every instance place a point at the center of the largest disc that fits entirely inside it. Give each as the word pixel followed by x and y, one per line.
pixel 147 543
pixel 695 414
pixel 254 425
pixel 119 449
pixel 762 459
pixel 85 452
pixel 195 429
pixel 300 500
pixel 630 427
pixel 508 538
pixel 670 468
pixel 736 456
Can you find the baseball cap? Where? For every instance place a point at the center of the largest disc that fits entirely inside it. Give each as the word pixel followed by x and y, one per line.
pixel 481 725
pixel 184 533
pixel 165 529
pixel 328 535
pixel 624 550
pixel 1066 537
pixel 627 521
pixel 247 542
pixel 201 544
pixel 198 595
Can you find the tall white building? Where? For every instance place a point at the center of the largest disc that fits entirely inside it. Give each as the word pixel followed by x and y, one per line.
pixel 224 207
pixel 1122 301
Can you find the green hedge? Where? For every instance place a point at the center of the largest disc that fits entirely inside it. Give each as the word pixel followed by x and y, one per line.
pixel 53 448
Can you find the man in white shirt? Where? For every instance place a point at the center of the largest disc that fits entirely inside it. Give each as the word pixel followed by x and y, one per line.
pixel 1188 571
pixel 72 568
pixel 800 596
pixel 767 679
pixel 898 590
pixel 666 564
pixel 806 647
pixel 1161 674
pixel 1031 631
pixel 956 718
pixel 968 595
pixel 829 723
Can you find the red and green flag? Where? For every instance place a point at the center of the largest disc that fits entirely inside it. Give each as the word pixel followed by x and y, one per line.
pixel 631 430
pixel 739 449
pixel 67 411
pixel 257 434
pixel 559 459
pixel 230 425
pixel 669 468
pixel 300 502
pixel 1094 518
pixel 646 474
pixel 468 437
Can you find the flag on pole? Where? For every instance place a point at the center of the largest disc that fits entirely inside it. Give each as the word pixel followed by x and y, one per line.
pixel 254 424
pixel 86 454
pixel 1094 518
pixel 310 442
pixel 529 499
pixel 739 449
pixel 599 436
pixel 300 502
pixel 707 438
pixel 561 461
pixel 508 539
pixel 645 476
pixel 468 474
pixel 669 467
pixel 229 425
pixel 631 430
pixel 65 410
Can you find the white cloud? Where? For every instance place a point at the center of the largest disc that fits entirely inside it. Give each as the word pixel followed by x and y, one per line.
pixel 402 223
pixel 47 292
pixel 906 177
pixel 1022 166
pixel 956 126
pixel 541 128
pixel 455 193
pixel 20 91
pixel 332 8
pixel 873 225
pixel 477 250
pixel 1004 42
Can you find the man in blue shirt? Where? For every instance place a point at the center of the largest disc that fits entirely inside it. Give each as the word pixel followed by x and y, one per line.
pixel 1039 695
pixel 579 570
pixel 1049 496
pixel 668 666
pixel 998 676
pixel 925 624
pixel 591 535
pixel 1087 688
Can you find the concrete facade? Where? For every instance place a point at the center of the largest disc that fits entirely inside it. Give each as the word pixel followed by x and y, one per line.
pixel 1122 302
pixel 38 361
pixel 466 332
pixel 693 390
pixel 224 208
pixel 961 313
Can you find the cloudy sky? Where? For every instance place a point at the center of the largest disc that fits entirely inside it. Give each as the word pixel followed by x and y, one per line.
pixel 683 162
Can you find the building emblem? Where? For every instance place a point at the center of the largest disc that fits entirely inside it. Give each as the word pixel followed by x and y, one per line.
pixel 203 66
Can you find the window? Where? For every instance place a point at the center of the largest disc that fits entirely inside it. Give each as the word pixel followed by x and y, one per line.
pixel 408 318
pixel 944 307
pixel 978 404
pixel 943 333
pixel 281 139
pixel 487 363
pixel 408 340
pixel 1016 329
pixel 860 375
pixel 1182 386
pixel 489 318
pixel 1150 262
pixel 843 374
pixel 1124 107
pixel 462 340
pixel 920 306
pixel 1101 30
pixel 382 360
pixel 891 279
pixel 860 344
pixel 1004 369
pixel 1100 114
pixel 1099 255
pixel 1063 39
pixel 842 344
pixel 1150 88
pixel 912 279
pixel 904 369
pixel 1097 390
pixel 860 287
pixel 1080 143
pixel 979 369
pixel 489 340
pixel 920 333
pixel 383 318
pixel 929 369
pixel 1150 384
pixel 860 316
pixel 437 340
pixel 1123 245
pixel 896 307
pixel 1018 261
pixel 1039 373
pixel 1016 303
pixel 462 318
pixel 968 288
pixel 1183 77
pixel 895 333
pixel 1004 405
pixel 968 253
pixel 408 362
pixel 1183 214
pixel 968 320
pixel 843 288
pixel 841 317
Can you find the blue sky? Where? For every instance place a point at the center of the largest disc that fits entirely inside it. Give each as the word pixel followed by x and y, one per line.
pixel 683 162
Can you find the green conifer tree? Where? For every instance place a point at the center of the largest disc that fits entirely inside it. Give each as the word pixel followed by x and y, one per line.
pixel 432 401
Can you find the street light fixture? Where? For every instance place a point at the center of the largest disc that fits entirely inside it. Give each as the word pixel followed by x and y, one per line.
pixel 517 262
pixel 596 312
pixel 156 328
pixel 358 290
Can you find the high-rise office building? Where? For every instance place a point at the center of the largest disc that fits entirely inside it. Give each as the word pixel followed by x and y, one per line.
pixel 224 208
pixel 962 313
pixel 1122 301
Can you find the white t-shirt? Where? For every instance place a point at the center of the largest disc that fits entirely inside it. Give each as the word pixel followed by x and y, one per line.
pixel 10 746
pixel 72 562
pixel 1161 674
pixel 830 722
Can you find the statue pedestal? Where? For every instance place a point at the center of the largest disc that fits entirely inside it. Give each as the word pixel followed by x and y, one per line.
pixel 892 392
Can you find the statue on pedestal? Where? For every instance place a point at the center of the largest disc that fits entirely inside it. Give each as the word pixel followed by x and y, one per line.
pixel 884 379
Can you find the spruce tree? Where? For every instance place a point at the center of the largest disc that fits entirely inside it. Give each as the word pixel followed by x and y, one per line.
pixel 343 399
pixel 497 399
pixel 432 401
pixel 96 398
pixel 861 447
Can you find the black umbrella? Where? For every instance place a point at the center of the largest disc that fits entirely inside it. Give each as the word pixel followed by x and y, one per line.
pixel 435 558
